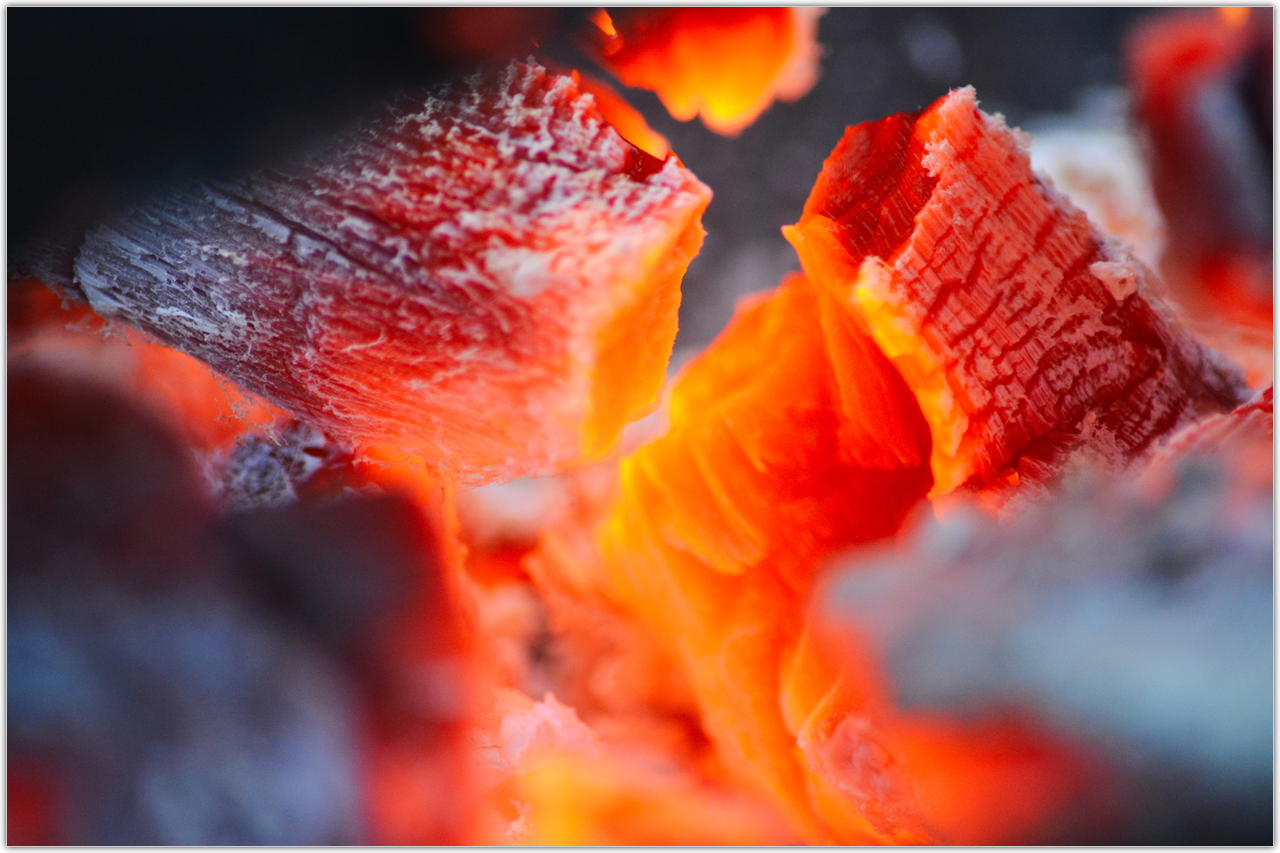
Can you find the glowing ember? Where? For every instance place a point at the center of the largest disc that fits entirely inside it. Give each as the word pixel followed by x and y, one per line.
pixel 624 118
pixel 207 410
pixel 468 280
pixel 602 20
pixel 1022 333
pixel 1234 16
pixel 726 65
pixel 1068 624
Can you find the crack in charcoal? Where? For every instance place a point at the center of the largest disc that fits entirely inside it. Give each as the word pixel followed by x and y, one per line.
pixel 251 203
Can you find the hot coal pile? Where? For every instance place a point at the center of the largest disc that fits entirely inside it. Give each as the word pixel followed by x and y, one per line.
pixel 413 474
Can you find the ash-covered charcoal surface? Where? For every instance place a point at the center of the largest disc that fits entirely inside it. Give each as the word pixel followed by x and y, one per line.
pixel 269 469
pixel 1014 321
pixel 1132 613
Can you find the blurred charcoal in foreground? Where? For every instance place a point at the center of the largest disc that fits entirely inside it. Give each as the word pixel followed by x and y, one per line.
pixel 1133 614
pixel 180 677
pixel 169 709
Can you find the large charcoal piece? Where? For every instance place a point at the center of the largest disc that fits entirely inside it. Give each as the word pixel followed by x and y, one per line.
pixel 487 277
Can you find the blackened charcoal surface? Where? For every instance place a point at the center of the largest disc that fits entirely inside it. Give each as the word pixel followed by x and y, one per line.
pixel 105 102
pixel 194 678
pixel 181 716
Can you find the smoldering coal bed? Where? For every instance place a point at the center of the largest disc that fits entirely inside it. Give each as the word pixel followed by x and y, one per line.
pixel 844 586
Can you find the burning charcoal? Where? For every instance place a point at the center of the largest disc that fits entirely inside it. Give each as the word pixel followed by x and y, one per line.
pixel 488 278
pixel 207 411
pixel 1023 334
pixel 561 782
pixel 33 308
pixel 526 734
pixel 486 282
pixel 1101 169
pixel 725 65
pixel 1132 616
pixel 626 119
pixel 180 716
pixel 1202 86
pixel 546 629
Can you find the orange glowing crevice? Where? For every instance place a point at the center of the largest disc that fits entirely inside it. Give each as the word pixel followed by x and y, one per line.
pixel 557 781
pixel 575 800
pixel 726 65
pixel 718 527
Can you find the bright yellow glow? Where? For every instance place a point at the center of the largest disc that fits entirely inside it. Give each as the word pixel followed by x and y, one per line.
pixel 726 65
pixel 1234 16
pixel 602 20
